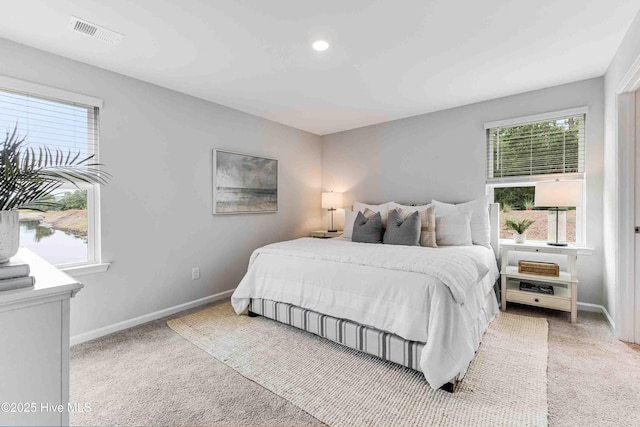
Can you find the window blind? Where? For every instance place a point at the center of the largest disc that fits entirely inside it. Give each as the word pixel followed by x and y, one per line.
pixel 549 147
pixel 48 122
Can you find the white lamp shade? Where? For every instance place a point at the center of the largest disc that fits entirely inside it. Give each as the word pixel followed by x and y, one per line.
pixel 553 194
pixel 331 200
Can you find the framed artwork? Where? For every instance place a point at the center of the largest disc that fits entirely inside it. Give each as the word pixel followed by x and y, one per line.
pixel 244 184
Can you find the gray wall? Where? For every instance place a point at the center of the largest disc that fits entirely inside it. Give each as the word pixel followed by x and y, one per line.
pixel 156 212
pixel 627 53
pixel 441 155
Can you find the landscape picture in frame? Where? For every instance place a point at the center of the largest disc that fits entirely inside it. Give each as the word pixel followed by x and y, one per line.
pixel 244 184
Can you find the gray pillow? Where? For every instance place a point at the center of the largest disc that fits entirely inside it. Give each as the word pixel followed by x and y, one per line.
pixel 367 230
pixel 402 230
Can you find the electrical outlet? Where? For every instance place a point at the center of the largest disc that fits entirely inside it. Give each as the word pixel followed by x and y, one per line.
pixel 195 273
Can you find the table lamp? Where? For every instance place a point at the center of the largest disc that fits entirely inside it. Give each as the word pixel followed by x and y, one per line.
pixel 554 195
pixel 331 201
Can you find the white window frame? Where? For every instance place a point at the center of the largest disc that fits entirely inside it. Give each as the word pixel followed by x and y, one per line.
pixel 531 180
pixel 94 263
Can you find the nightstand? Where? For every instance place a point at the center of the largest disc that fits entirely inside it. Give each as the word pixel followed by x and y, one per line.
pixel 324 234
pixel 565 297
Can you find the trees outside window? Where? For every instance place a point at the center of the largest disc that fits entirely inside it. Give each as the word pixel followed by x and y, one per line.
pixel 524 151
pixel 67 234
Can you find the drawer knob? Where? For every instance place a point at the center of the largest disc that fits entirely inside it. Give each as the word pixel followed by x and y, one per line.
pixel 536 300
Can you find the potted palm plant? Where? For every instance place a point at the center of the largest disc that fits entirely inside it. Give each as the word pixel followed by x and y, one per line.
pixel 519 228
pixel 28 176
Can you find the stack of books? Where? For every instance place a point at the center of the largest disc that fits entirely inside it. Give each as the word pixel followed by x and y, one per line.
pixel 15 275
pixel 536 287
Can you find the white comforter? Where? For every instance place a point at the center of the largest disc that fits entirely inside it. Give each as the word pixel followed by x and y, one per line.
pixel 421 294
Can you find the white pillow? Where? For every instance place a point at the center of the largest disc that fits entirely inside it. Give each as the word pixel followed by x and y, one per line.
pixel 349 219
pixel 383 209
pixel 454 229
pixel 479 210
pixel 410 209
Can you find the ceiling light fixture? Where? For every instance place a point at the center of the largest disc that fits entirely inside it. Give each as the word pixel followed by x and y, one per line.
pixel 320 45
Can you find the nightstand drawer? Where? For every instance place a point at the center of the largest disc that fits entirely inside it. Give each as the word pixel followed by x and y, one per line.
pixel 547 250
pixel 539 300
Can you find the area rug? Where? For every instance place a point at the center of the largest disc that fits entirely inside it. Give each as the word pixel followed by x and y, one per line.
pixel 506 384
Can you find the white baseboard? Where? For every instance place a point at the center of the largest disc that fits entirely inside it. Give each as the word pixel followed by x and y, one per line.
pixel 597 308
pixel 126 324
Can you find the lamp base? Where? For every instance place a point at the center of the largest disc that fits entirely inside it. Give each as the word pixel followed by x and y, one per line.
pixel 557 227
pixel 332 228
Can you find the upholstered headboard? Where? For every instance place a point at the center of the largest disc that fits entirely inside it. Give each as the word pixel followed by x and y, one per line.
pixel 494 221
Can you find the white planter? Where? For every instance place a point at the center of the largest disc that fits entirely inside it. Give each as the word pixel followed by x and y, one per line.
pixel 519 238
pixel 9 235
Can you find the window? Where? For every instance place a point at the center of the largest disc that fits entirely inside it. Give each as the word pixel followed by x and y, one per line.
pixel 69 235
pixel 521 152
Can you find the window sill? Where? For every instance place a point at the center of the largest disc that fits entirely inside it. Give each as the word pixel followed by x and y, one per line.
pixel 82 270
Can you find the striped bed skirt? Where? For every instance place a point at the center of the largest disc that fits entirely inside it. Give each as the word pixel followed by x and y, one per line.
pixel 373 341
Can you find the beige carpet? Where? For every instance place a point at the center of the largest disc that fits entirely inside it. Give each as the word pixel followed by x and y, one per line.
pixel 506 383
pixel 594 379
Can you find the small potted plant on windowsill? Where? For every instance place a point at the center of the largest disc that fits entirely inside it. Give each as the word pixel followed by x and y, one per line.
pixel 27 178
pixel 519 228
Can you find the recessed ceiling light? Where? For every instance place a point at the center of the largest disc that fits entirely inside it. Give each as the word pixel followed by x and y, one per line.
pixel 320 45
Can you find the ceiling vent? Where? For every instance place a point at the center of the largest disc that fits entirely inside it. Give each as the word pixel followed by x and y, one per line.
pixel 95 31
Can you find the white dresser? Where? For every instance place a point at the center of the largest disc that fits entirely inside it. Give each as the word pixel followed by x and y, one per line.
pixel 34 347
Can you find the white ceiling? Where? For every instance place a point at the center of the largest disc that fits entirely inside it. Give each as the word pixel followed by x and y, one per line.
pixel 388 59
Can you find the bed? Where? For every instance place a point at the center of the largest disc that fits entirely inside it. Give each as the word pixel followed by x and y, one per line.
pixel 422 308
